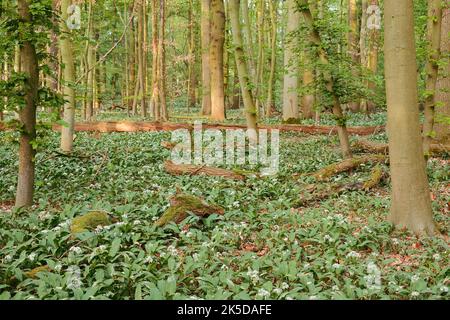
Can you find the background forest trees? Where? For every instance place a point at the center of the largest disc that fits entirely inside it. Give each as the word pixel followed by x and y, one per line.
pixel 171 60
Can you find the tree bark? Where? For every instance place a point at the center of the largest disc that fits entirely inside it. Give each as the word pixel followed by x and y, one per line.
pixel 66 48
pixel 241 62
pixel 270 104
pixel 162 61
pixel 442 123
pixel 216 60
pixel 27 115
pixel 411 204
pixel 290 85
pixel 206 70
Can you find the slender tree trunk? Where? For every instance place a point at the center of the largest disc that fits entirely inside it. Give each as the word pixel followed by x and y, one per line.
pixel 69 80
pixel 216 60
pixel 162 61
pixel 432 69
pixel 411 205
pixel 192 81
pixel 337 109
pixel 131 63
pixel 290 86
pixel 441 126
pixel 270 105
pixel 248 41
pixel 90 65
pixel 241 61
pixel 353 42
pixel 206 69
pixel 155 106
pixel 141 58
pixel 27 115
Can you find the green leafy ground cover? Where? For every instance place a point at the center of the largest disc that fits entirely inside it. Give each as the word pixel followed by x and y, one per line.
pixel 263 247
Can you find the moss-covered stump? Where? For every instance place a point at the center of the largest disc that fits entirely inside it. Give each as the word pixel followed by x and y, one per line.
pixel 183 204
pixel 89 222
pixel 33 273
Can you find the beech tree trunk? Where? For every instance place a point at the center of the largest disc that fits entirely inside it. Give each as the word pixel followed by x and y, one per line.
pixel 290 85
pixel 27 115
pixel 241 62
pixel 162 60
pixel 411 204
pixel 69 80
pixel 206 71
pixel 216 60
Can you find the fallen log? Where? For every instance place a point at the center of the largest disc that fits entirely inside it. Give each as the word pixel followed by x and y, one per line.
pixel 125 126
pixel 183 204
pixel 188 169
pixel 346 165
pixel 379 147
pixel 317 193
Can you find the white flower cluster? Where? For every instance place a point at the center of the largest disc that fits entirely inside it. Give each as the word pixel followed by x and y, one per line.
pixel 76 250
pixel 353 254
pixel 373 278
pixel 253 275
pixel 263 293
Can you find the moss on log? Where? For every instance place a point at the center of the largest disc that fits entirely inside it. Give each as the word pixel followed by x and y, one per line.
pixel 346 165
pixel 89 222
pixel 188 169
pixel 183 204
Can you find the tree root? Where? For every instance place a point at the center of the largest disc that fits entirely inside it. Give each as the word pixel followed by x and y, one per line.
pixel 346 165
pixel 180 207
pixel 182 169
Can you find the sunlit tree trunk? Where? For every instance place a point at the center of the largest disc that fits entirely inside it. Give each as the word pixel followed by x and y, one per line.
pixel 27 115
pixel 411 204
pixel 291 64
pixel 69 79
pixel 216 60
pixel 206 70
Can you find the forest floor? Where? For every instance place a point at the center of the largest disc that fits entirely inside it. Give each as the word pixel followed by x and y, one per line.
pixel 268 244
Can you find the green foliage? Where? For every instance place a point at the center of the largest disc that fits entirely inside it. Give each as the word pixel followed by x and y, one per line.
pixel 260 248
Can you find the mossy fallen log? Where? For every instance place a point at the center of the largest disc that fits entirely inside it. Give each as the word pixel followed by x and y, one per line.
pixel 346 165
pixel 89 222
pixel 188 169
pixel 183 204
pixel 316 193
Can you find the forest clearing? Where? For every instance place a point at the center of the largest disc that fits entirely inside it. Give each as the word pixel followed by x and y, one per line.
pixel 224 150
